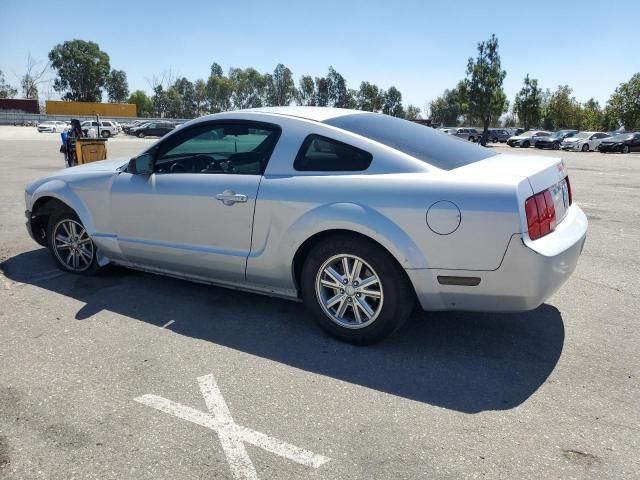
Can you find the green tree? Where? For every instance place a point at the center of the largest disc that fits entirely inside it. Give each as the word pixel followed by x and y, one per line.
pixel 624 104
pixel 393 103
pixel 449 107
pixel 563 109
pixel 528 103
pixel 6 90
pixel 338 93
pixel 485 95
pixel 216 70
pixel 144 105
pixel 218 93
pixel 117 86
pixel 591 117
pixel 321 92
pixel 200 98
pixel 187 95
pixel 82 70
pixel 306 93
pixel 281 88
pixel 249 87
pixel 412 112
pixel 369 97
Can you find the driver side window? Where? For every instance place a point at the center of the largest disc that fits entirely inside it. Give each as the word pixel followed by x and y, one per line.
pixel 237 148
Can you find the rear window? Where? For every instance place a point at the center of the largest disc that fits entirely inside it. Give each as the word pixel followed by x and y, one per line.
pixel 424 143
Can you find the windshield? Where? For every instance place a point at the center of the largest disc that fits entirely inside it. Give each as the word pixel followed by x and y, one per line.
pixel 582 135
pixel 529 133
pixel 424 143
pixel 621 138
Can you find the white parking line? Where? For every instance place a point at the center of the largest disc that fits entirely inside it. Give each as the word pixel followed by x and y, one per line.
pixel 167 324
pixel 232 436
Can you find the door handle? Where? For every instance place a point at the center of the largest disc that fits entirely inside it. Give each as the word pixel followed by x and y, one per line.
pixel 229 197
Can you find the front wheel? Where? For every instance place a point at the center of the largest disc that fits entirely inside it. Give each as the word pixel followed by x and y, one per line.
pixel 356 290
pixel 140 135
pixel 70 244
pixel 585 147
pixel 556 146
pixel 626 149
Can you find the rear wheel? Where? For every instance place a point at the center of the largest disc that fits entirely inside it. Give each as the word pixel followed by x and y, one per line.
pixel 105 133
pixel 556 146
pixel 585 147
pixel 70 244
pixel 140 135
pixel 356 290
pixel 626 149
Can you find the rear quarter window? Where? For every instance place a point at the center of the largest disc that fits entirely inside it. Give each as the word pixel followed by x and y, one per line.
pixel 322 154
pixel 423 143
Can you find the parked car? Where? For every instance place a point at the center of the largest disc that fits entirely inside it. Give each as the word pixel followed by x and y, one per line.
pixel 448 130
pixel 127 127
pixel 554 140
pixel 584 141
pixel 52 126
pixel 152 129
pixel 623 143
pixel 499 135
pixel 107 127
pixel 358 214
pixel 470 134
pixel 526 139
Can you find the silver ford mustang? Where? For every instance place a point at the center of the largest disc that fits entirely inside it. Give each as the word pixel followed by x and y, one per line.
pixel 358 214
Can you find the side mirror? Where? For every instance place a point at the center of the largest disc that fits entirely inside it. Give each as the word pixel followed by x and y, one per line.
pixel 141 165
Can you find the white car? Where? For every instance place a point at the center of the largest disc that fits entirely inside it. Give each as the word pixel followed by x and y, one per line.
pixel 107 127
pixel 358 214
pixel 527 139
pixel 52 126
pixel 584 141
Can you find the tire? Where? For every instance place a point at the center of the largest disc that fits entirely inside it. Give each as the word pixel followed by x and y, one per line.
pixel 585 147
pixel 526 144
pixel 625 149
pixel 140 135
pixel 105 133
pixel 471 139
pixel 511 145
pixel 65 223
pixel 494 139
pixel 391 297
pixel 556 146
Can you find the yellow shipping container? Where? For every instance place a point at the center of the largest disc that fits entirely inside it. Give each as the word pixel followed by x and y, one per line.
pixel 55 107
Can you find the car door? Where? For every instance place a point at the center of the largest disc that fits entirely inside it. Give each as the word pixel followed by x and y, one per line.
pixel 193 215
pixel 597 140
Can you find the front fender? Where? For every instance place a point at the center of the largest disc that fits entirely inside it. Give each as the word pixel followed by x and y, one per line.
pixel 60 190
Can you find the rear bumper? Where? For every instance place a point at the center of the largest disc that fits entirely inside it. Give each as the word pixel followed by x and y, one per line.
pixel 530 272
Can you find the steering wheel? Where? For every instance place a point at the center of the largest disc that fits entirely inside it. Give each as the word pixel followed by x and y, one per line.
pixel 177 168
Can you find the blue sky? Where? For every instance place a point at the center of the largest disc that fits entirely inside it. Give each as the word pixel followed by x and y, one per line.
pixel 420 47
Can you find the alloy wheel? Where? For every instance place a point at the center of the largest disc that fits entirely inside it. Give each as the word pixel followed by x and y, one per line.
pixel 72 245
pixel 349 291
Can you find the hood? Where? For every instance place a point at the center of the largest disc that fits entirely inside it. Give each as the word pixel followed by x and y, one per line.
pixel 573 140
pixel 100 166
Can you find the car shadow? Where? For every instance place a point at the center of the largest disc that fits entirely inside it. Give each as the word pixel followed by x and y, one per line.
pixel 468 362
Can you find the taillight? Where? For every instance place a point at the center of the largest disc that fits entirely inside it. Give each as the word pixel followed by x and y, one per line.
pixel 541 214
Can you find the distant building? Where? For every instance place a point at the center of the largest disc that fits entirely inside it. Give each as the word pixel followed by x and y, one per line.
pixel 56 107
pixel 19 105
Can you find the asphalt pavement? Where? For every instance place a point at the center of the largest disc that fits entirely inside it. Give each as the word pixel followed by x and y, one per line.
pixel 133 376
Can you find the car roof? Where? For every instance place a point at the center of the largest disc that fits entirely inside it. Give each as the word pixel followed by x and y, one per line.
pixel 318 114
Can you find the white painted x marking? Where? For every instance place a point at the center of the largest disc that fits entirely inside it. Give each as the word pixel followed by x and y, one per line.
pixel 232 436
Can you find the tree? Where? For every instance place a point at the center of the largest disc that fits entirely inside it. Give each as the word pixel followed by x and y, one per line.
pixel 393 103
pixel 200 97
pixel 306 93
pixel 249 87
pixel 281 88
pixel 485 96
pixel 216 70
pixel 117 86
pixel 563 109
pixel 186 94
pixel 321 92
pixel 144 105
pixel 82 70
pixel 412 113
pixel 369 97
pixel 528 103
pixel 218 93
pixel 6 90
pixel 449 107
pixel 337 94
pixel 591 117
pixel 34 76
pixel 624 104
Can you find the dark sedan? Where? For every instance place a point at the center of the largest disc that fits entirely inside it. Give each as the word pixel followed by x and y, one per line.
pixel 624 143
pixel 153 129
pixel 554 140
